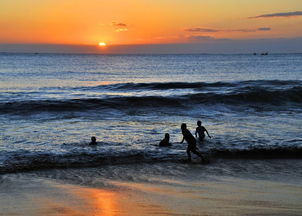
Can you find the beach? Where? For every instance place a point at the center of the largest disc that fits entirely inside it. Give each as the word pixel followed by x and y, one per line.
pixel 154 189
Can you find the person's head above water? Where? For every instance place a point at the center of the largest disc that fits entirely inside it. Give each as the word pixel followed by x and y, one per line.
pixel 167 136
pixel 93 140
pixel 199 123
pixel 183 126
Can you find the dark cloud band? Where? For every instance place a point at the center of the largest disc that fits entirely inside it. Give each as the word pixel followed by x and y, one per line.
pixel 199 30
pixel 287 14
pixel 119 24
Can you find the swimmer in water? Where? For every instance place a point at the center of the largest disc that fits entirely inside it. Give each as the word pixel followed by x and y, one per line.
pixel 93 141
pixel 165 141
pixel 199 133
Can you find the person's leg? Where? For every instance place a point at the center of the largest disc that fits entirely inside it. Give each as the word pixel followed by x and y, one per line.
pixel 197 153
pixel 189 154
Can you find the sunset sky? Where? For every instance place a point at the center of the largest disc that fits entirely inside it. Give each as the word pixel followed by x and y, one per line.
pixel 132 22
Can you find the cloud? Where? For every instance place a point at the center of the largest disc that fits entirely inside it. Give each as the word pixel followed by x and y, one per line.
pixel 286 14
pixel 119 24
pixel 250 30
pixel 120 27
pixel 264 29
pixel 209 30
pixel 201 30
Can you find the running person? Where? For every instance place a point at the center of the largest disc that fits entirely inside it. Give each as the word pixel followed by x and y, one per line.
pixel 191 142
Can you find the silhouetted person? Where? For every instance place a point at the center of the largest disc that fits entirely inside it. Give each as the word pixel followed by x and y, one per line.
pixel 93 141
pixel 200 131
pixel 191 142
pixel 165 141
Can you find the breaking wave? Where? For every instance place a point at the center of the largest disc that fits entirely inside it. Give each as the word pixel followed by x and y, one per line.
pixel 27 161
pixel 194 85
pixel 245 96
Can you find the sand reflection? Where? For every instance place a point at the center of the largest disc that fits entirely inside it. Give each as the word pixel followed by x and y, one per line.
pixel 97 201
pixel 100 202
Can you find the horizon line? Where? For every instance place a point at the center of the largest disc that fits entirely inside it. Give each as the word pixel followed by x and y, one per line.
pixel 246 46
pixel 147 44
pixel 69 53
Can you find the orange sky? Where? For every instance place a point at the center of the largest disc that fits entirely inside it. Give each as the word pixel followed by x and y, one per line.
pixel 88 22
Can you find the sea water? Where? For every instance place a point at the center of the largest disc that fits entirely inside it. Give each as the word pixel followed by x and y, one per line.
pixel 51 104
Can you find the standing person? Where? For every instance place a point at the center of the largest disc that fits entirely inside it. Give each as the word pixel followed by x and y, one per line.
pixel 191 142
pixel 200 131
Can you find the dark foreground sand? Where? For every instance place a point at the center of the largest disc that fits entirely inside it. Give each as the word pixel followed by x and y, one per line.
pixel 113 191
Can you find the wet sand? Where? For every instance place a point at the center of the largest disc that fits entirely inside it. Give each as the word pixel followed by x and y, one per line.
pixel 37 193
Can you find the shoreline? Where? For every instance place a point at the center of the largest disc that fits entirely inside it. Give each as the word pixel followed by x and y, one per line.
pixel 148 189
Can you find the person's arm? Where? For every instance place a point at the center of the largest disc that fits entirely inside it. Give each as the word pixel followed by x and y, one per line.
pixel 207 133
pixel 183 139
pixel 196 133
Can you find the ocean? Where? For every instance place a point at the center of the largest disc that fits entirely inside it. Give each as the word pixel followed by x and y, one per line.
pixel 51 104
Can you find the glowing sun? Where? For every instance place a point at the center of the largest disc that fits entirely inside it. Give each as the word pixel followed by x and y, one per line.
pixel 102 44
